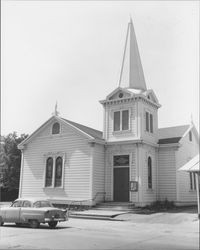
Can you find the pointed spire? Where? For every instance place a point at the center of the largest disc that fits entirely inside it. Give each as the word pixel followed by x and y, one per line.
pixel 55 113
pixel 131 75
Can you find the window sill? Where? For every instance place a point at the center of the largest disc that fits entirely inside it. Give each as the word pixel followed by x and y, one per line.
pixel 148 132
pixel 52 187
pixel 121 132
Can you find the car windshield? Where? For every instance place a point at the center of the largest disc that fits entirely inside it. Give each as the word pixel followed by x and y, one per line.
pixel 42 204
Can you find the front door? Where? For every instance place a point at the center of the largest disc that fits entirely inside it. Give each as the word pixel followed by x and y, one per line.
pixel 121 184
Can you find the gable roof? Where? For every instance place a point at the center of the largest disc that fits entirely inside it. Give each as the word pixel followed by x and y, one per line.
pixel 90 131
pixel 171 134
pixel 192 165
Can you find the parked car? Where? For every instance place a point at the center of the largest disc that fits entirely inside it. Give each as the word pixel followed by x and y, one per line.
pixel 32 212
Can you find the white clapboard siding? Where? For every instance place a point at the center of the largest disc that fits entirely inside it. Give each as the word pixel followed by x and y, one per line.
pixel 187 151
pixel 77 174
pixel 166 174
pixel 98 172
pixel 108 174
pixel 149 195
pixel 133 173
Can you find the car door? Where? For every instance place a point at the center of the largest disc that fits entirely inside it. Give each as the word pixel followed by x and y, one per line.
pixel 26 211
pixel 13 212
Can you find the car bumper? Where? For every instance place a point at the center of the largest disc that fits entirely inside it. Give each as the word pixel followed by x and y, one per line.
pixel 55 219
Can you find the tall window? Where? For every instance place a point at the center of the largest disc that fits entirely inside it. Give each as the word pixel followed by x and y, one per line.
pixel 56 128
pixel 121 120
pixel 58 172
pixel 149 122
pixel 192 181
pixel 49 172
pixel 190 136
pixel 149 173
pixel 54 172
pixel 117 121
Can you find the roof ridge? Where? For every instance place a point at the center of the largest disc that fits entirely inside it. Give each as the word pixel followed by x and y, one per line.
pixel 81 125
pixel 176 126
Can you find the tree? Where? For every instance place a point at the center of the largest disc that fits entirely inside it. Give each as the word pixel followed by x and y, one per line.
pixel 10 160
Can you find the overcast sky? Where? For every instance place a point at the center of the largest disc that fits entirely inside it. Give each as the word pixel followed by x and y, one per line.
pixel 71 52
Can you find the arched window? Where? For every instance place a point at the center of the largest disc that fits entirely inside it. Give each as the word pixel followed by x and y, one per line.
pixel 58 172
pixel 56 128
pixel 149 173
pixel 49 172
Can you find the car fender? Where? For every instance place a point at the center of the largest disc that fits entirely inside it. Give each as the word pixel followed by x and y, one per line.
pixel 31 214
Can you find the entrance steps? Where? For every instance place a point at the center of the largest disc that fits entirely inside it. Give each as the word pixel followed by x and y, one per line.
pixel 116 206
pixel 105 211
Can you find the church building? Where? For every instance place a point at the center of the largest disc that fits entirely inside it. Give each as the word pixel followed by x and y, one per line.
pixel 132 160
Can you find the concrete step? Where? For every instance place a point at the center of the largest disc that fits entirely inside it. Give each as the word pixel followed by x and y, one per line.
pixel 95 214
pixel 125 206
pixel 115 209
pixel 93 217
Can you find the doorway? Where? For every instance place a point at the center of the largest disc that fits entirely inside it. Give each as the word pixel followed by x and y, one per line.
pixel 121 184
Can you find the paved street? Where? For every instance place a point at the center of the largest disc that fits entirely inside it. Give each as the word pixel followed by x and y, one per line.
pixel 156 232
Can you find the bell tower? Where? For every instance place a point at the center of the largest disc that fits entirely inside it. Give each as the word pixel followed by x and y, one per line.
pixel 130 111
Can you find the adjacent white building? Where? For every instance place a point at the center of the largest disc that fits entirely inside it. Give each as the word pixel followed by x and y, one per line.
pixel 131 161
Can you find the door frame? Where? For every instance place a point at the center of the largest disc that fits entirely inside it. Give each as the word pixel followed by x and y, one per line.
pixel 112 174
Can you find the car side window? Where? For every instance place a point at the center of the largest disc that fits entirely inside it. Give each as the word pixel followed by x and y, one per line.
pixel 45 204
pixel 27 204
pixel 37 204
pixel 17 204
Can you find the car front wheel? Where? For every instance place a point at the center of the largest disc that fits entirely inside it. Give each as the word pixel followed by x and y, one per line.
pixel 34 223
pixel 53 224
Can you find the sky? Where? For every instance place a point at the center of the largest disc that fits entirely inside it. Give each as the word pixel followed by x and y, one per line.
pixel 70 52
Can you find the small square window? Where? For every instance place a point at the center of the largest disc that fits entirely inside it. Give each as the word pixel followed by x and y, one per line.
pixel 121 120
pixel 117 121
pixel 125 120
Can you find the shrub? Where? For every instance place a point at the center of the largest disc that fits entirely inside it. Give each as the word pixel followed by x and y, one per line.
pixel 159 205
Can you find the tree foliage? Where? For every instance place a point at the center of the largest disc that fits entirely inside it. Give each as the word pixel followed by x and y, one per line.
pixel 10 159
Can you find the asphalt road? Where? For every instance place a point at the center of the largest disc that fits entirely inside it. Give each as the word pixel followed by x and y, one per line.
pixel 101 234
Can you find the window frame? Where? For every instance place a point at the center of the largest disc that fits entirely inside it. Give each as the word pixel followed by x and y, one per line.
pixel 147 121
pixel 54 156
pixel 52 127
pixel 52 171
pixel 149 173
pixel 20 202
pixel 149 124
pixel 26 201
pixel 121 120
pixel 193 184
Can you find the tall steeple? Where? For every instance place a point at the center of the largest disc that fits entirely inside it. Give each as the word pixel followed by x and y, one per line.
pixel 131 75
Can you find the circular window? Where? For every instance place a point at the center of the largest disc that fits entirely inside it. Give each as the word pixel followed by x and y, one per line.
pixel 120 95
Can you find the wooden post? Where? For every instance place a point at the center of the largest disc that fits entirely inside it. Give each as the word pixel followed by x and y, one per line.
pixel 197 188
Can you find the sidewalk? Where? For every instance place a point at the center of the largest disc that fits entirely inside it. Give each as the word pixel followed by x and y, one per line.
pixel 95 214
